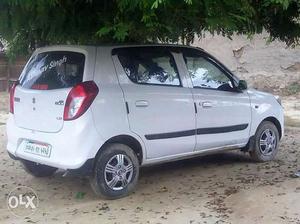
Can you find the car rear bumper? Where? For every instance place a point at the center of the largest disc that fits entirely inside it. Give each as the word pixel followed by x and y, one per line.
pixel 71 148
pixel 85 170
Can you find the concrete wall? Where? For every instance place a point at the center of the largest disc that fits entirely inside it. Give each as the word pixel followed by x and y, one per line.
pixel 267 66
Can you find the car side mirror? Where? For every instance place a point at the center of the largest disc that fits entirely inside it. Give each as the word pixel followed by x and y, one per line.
pixel 242 85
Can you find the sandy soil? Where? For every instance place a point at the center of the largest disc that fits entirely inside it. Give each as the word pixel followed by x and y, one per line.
pixel 224 188
pixel 3 107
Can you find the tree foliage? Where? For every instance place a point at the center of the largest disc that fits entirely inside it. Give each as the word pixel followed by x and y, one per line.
pixel 27 24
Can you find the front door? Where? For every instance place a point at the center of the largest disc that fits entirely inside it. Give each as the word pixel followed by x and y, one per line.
pixel 160 109
pixel 224 113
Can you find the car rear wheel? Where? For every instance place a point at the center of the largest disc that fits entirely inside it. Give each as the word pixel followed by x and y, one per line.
pixel 266 141
pixel 116 172
pixel 38 170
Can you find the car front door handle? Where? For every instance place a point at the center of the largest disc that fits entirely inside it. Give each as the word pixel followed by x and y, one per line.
pixel 207 104
pixel 141 103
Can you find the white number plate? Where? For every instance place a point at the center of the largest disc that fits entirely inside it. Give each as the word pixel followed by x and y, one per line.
pixel 35 148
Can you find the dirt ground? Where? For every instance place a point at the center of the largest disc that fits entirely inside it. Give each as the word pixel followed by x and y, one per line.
pixel 223 188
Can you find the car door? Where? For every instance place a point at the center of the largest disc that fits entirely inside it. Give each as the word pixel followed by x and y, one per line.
pixel 223 112
pixel 160 107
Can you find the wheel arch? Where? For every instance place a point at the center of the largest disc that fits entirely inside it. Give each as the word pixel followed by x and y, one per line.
pixel 277 124
pixel 128 140
pixel 251 141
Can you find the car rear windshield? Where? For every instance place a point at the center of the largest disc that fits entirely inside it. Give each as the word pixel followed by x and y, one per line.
pixel 53 70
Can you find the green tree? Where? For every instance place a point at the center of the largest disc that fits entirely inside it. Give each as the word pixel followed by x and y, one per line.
pixel 27 24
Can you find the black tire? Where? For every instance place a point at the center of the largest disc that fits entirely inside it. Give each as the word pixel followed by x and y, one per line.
pixel 38 170
pixel 256 151
pixel 99 180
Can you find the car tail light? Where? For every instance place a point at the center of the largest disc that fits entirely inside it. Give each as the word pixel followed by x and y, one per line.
pixel 80 99
pixel 12 97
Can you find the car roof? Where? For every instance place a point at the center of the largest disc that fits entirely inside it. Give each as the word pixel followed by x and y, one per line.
pixel 113 46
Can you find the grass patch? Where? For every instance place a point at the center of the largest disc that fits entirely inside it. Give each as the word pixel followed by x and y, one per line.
pixel 293 88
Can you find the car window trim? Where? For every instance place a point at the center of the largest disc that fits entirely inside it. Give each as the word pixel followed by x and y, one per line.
pixel 155 84
pixel 199 87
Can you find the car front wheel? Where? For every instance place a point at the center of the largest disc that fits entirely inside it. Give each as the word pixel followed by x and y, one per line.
pixel 116 172
pixel 266 141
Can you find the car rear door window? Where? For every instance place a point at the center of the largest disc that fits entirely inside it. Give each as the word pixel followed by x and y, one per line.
pixel 53 70
pixel 147 65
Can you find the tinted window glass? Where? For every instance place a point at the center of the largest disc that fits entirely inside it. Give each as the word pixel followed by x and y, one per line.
pixel 53 70
pixel 205 74
pixel 149 66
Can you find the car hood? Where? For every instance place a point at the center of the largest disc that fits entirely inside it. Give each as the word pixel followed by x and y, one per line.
pixel 259 93
pixel 262 97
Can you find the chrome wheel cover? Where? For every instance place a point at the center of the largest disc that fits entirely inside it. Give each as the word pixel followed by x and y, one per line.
pixel 118 172
pixel 267 142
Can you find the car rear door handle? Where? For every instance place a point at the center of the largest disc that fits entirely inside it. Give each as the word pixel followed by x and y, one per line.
pixel 141 103
pixel 207 104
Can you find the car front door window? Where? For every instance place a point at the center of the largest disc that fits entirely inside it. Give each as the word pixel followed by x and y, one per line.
pixel 204 74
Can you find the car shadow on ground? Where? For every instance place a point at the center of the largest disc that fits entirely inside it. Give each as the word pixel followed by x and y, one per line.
pixel 170 171
pixel 199 162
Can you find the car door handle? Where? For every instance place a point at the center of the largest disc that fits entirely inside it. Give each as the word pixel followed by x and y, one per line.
pixel 141 103
pixel 207 104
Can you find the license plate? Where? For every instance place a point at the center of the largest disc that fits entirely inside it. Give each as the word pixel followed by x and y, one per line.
pixel 35 148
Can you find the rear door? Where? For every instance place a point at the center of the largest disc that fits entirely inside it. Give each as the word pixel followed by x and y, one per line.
pixel 43 88
pixel 160 107
pixel 224 113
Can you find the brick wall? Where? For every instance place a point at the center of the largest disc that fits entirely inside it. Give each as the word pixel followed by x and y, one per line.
pixel 3 72
pixel 10 71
